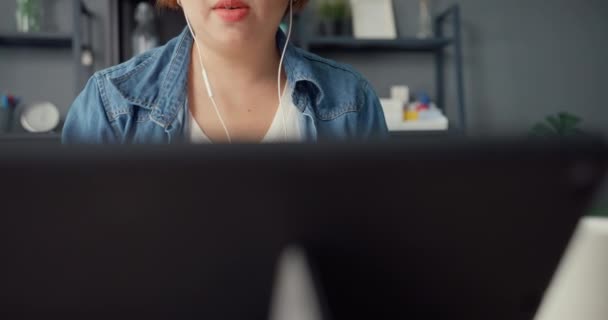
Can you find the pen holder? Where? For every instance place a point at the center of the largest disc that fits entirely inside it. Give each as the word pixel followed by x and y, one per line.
pixel 6 119
pixel 7 112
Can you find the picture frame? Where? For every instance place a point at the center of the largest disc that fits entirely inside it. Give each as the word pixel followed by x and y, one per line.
pixel 373 19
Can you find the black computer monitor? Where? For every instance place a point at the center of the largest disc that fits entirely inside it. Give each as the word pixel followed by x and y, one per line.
pixel 438 230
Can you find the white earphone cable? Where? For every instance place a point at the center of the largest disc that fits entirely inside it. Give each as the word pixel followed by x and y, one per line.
pixel 207 83
pixel 281 68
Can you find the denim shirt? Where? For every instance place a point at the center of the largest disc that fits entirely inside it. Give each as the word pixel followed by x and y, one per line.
pixel 143 99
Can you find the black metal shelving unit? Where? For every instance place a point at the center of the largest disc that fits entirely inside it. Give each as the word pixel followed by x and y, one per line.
pixel 78 42
pixel 36 40
pixel 436 46
pixel 20 138
pixel 169 23
pixel 403 44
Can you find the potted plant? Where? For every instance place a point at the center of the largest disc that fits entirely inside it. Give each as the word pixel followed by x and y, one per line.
pixel 563 124
pixel 334 17
pixel 28 15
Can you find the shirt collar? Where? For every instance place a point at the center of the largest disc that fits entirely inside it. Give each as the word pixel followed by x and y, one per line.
pixel 169 82
pixel 300 74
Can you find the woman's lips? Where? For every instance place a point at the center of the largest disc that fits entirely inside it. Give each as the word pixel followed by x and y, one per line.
pixel 231 10
pixel 232 15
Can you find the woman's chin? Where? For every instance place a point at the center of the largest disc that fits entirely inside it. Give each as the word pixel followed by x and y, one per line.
pixel 235 38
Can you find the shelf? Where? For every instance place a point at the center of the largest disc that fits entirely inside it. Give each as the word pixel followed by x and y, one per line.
pixel 29 137
pixel 37 40
pixel 401 44
pixel 425 134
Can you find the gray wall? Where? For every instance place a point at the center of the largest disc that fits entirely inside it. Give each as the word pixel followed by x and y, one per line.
pixel 37 74
pixel 524 59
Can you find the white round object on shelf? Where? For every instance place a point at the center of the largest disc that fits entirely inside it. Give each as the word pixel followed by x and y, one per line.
pixel 40 117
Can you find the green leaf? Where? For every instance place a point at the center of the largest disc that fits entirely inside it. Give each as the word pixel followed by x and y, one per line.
pixel 561 124
pixel 555 124
pixel 335 9
pixel 599 212
pixel 569 121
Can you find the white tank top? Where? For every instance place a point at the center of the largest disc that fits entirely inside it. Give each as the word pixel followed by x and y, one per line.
pixel 275 134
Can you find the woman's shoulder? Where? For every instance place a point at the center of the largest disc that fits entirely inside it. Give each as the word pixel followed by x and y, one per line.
pixel 130 65
pixel 156 56
pixel 340 83
pixel 116 91
pixel 138 80
pixel 322 66
pixel 343 89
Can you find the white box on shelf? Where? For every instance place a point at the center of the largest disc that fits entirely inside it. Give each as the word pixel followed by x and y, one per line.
pixel 401 93
pixel 373 19
pixel 438 124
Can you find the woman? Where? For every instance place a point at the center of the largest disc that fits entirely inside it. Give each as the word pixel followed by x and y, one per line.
pixel 229 77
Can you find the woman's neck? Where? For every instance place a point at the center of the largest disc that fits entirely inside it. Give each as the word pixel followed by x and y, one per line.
pixel 234 69
pixel 244 85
